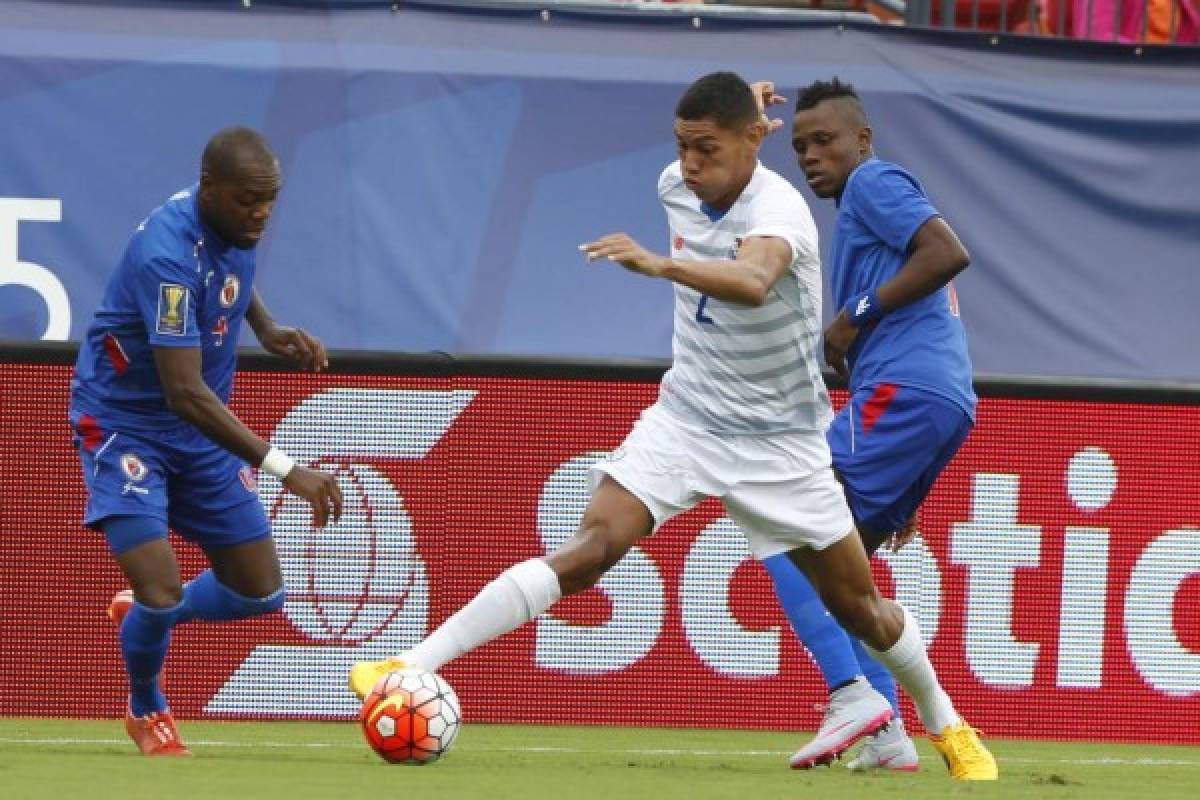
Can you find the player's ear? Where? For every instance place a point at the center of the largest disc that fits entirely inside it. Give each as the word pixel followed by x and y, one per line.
pixel 866 138
pixel 756 131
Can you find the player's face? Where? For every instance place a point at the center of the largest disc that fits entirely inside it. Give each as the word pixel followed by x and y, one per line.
pixel 716 163
pixel 830 142
pixel 238 208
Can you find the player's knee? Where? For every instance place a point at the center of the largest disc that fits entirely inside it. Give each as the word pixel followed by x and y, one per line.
pixel 159 594
pixel 583 562
pixel 857 612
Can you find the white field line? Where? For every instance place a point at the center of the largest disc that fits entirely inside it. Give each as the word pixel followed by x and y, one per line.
pixel 656 751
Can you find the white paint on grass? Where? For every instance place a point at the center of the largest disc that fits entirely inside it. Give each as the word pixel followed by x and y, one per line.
pixel 631 751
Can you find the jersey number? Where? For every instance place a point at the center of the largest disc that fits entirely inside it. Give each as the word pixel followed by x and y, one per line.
pixel 700 315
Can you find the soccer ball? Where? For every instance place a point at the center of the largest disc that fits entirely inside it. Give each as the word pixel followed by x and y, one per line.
pixel 411 716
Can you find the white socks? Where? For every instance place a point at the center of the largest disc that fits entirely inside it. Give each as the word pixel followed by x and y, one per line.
pixel 909 663
pixel 517 595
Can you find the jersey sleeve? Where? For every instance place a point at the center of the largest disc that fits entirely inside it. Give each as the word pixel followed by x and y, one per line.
pixel 165 292
pixel 891 204
pixel 785 215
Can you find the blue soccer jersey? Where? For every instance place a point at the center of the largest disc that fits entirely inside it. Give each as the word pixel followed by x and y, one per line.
pixel 178 285
pixel 922 345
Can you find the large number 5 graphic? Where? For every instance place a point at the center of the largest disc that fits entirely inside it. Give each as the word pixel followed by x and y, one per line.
pixel 14 210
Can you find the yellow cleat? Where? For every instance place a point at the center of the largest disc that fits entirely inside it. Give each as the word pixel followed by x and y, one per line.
pixel 365 674
pixel 965 755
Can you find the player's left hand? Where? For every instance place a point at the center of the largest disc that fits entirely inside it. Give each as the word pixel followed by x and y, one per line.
pixel 765 97
pixel 839 337
pixel 296 344
pixel 621 248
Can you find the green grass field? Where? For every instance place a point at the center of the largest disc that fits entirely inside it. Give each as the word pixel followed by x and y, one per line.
pixel 91 760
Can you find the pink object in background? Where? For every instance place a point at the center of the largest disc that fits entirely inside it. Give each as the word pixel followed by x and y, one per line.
pixel 1105 25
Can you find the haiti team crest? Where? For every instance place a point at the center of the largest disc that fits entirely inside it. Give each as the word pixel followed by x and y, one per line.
pixel 230 291
pixel 133 467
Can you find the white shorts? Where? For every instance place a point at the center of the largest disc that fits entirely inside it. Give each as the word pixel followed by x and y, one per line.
pixel 779 488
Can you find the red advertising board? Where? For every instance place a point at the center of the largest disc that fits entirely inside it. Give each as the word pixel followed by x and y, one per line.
pixel 1057 580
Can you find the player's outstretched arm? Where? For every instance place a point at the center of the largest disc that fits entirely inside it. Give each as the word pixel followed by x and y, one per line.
pixel 283 340
pixel 179 370
pixel 747 279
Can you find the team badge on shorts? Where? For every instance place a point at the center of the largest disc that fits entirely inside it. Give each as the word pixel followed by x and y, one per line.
pixel 247 477
pixel 172 309
pixel 133 467
pixel 229 292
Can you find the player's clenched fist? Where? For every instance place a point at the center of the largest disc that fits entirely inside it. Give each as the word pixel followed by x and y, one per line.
pixel 320 489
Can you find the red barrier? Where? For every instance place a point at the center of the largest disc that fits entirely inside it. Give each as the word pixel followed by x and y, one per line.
pixel 1058 578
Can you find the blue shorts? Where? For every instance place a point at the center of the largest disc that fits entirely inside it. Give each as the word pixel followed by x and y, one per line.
pixel 178 477
pixel 889 444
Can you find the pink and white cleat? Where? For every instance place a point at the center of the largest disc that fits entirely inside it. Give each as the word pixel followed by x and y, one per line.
pixel 890 749
pixel 853 712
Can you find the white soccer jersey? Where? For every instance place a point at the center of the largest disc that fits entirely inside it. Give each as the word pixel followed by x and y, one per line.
pixel 739 368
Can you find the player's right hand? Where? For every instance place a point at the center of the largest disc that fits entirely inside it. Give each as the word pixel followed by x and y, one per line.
pixel 320 489
pixel 839 337
pixel 909 531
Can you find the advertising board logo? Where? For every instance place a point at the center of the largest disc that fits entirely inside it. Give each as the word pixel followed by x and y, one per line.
pixel 357 589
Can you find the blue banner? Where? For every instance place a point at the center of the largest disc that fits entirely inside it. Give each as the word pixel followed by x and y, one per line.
pixel 440 168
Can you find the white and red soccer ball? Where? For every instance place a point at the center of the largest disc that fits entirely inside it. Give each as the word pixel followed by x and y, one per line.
pixel 411 716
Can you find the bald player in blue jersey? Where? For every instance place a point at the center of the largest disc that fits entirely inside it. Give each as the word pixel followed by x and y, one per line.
pixel 898 338
pixel 158 444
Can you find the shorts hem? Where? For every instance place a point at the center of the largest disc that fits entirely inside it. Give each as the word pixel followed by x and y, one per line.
pixel 623 481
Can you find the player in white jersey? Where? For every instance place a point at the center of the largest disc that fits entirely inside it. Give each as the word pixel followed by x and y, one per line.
pixel 741 414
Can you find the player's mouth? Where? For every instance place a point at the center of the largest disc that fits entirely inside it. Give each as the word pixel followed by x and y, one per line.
pixel 691 184
pixel 815 179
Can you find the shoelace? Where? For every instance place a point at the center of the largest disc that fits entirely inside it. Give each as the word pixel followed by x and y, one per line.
pixel 823 709
pixel 964 749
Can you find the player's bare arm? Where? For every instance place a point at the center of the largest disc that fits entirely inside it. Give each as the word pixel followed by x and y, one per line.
pixel 936 255
pixel 284 340
pixel 748 279
pixel 179 369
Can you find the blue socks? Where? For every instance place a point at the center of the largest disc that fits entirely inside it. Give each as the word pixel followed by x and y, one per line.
pixel 145 634
pixel 827 643
pixel 206 598
pixel 840 657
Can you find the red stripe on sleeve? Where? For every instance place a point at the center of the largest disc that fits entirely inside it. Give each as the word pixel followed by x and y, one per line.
pixel 116 354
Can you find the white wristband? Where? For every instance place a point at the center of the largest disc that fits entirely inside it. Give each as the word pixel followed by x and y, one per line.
pixel 277 463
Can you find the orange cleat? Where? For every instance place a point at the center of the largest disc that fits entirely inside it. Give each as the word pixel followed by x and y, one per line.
pixel 119 606
pixel 155 734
